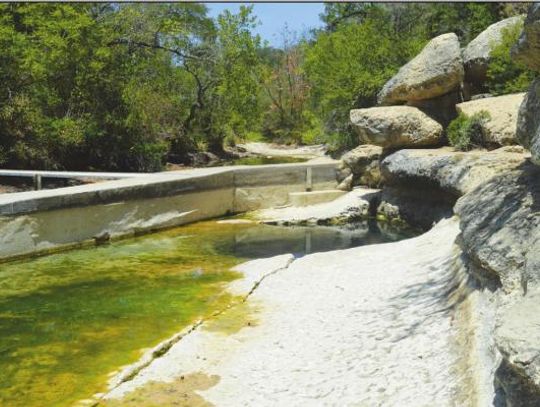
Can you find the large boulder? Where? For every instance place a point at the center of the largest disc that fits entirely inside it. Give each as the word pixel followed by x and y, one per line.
pixel 395 127
pixel 528 123
pixel 476 55
pixel 437 70
pixel 527 50
pixel 500 129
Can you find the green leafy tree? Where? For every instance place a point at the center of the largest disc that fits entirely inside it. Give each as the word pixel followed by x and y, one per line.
pixel 348 67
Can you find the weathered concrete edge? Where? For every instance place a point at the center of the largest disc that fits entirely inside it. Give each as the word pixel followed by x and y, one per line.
pixel 163 185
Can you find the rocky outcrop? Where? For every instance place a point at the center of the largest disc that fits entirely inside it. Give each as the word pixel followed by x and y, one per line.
pixel 500 129
pixel 360 166
pixel 500 233
pixel 518 338
pixel 498 204
pixel 528 123
pixel 437 70
pixel 476 55
pixel 527 50
pixel 454 172
pixel 500 224
pixel 351 206
pixel 395 127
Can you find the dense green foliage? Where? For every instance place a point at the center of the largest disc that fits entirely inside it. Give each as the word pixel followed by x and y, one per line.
pixel 504 74
pixel 465 133
pixel 121 87
pixel 132 86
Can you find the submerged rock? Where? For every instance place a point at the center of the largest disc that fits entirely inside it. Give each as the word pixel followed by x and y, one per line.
pixel 437 70
pixel 476 55
pixel 395 127
pixel 500 129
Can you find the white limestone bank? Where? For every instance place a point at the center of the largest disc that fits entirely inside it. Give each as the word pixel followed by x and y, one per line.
pixel 374 325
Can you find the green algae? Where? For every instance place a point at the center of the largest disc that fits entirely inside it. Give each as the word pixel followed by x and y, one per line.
pixel 70 319
pixel 67 320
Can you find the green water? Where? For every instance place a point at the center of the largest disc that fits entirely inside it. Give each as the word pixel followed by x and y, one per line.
pixel 70 319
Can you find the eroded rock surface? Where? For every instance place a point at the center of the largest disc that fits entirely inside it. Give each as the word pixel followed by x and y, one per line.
pixel 437 70
pixel 360 166
pixel 500 129
pixel 528 123
pixel 476 55
pixel 500 224
pixel 353 205
pixel 395 127
pixel 518 339
pixel 452 171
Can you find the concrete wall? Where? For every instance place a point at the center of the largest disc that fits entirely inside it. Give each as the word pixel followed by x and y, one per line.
pixel 39 222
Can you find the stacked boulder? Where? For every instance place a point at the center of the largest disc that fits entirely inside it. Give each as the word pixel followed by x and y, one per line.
pixel 427 93
pixel 500 129
pixel 476 55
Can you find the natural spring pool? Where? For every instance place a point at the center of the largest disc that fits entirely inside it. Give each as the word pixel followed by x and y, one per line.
pixel 68 320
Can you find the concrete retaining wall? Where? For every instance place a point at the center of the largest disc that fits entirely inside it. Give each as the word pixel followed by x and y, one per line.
pixel 38 222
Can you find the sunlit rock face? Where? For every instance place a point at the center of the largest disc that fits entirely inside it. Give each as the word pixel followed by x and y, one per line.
pixel 395 127
pixel 437 70
pixel 476 55
pixel 500 129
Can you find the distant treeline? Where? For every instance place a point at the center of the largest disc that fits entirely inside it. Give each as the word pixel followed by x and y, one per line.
pixel 132 86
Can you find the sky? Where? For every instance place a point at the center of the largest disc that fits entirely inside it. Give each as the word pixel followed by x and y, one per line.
pixel 299 17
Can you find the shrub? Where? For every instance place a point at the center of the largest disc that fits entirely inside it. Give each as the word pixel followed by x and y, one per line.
pixel 465 133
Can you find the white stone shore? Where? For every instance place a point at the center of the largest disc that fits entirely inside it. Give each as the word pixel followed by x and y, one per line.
pixel 367 326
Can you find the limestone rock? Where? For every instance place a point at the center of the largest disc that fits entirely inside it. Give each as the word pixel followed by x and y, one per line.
pixel 500 225
pixel 353 205
pixel 371 176
pixel 420 208
pixel 454 172
pixel 437 70
pixel 441 108
pixel 518 339
pixel 477 54
pixel 360 166
pixel 527 50
pixel 528 123
pixel 500 129
pixel 395 127
pixel 346 183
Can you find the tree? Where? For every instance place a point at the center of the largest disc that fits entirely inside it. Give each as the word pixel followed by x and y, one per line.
pixel 288 93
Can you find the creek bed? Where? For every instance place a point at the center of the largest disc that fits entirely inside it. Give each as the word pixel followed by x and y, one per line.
pixel 68 320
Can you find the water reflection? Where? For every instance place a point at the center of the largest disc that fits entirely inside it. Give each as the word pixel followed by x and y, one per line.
pixel 267 241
